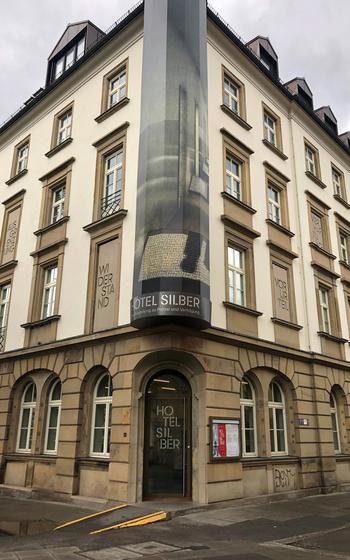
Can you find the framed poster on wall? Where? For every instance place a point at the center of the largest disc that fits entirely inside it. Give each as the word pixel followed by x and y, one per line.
pixel 225 441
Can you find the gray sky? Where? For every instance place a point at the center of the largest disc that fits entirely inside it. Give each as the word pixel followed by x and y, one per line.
pixel 310 37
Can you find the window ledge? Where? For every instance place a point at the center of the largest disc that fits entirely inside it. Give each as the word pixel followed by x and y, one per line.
pixel 16 177
pixel 325 270
pixel 280 227
pixel 41 322
pixel 257 461
pixel 8 266
pixel 342 457
pixel 95 463
pixel 341 200
pixel 59 147
pixel 97 224
pixel 112 109
pixel 344 264
pixel 274 149
pixel 243 228
pixel 241 308
pixel 243 205
pixel 324 334
pixel 287 252
pixel 315 179
pixel 235 116
pixel 323 251
pixel 284 323
pixel 42 250
pixel 51 226
pixel 23 456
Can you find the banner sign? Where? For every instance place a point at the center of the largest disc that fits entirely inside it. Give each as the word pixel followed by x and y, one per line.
pixel 171 263
pixel 224 439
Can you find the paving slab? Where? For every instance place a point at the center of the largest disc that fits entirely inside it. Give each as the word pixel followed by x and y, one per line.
pixel 151 547
pixel 112 553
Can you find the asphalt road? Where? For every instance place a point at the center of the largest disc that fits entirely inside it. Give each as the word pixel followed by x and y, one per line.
pixel 309 528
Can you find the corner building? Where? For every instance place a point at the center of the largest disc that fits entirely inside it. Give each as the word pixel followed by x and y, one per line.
pixel 90 405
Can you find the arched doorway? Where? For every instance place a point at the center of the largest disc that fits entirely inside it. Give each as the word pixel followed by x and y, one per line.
pixel 167 449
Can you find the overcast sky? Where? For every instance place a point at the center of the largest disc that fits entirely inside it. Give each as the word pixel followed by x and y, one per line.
pixel 311 38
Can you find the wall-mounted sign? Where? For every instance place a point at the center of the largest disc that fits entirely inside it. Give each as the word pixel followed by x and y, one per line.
pixel 224 439
pixel 106 296
pixel 303 422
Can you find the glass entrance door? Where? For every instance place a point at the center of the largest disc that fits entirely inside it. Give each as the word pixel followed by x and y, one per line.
pixel 167 460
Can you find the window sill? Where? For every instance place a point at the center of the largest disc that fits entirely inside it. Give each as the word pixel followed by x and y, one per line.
pixel 323 251
pixel 342 201
pixel 280 227
pixel 59 147
pixel 263 461
pixel 280 249
pixel 243 228
pixel 41 322
pixel 332 337
pixel 241 308
pixel 23 456
pixel 94 462
pixel 274 149
pixel 8 266
pixel 315 179
pixel 288 324
pixel 240 203
pixel 16 177
pixel 98 224
pixel 51 226
pixel 342 457
pixel 235 117
pixel 112 109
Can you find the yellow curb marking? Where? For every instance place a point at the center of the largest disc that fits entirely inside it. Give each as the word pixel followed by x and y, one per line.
pixel 89 516
pixel 144 520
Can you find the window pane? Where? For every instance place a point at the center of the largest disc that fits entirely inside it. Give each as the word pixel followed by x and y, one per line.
pixel 272 439
pixel 104 387
pixel 281 440
pixel 277 393
pixel 53 420
pixel 98 440
pixel 279 419
pixel 56 393
pixel 100 415
pixel 51 439
pixel 246 391
pixel 23 438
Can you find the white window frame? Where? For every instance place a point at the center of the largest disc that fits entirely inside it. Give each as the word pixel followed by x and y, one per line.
pixel 274 405
pixel 58 204
pixel 49 287
pixel 274 206
pixel 107 401
pixel 22 158
pixel 119 89
pixel 64 128
pixel 249 403
pixel 53 404
pixel 334 414
pixel 310 159
pixel 4 303
pixel 231 97
pixel 236 271
pixel 324 305
pixel 235 188
pixel 337 182
pixel 344 252
pixel 270 128
pixel 31 406
pixel 113 171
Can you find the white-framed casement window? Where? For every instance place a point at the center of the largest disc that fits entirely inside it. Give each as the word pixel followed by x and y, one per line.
pixel 236 275
pixel 49 291
pixel 53 419
pixel 277 419
pixel 233 177
pixel 80 48
pixel 310 160
pixel 324 306
pixel 336 178
pixel 26 419
pixel 64 127
pixel 101 416
pixel 67 60
pixel 248 419
pixel 270 128
pixel 22 158
pixel 344 253
pixel 117 88
pixel 113 180
pixel 57 210
pixel 335 423
pixel 231 95
pixel 274 204
pixel 5 292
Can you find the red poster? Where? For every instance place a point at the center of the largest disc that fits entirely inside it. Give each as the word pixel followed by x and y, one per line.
pixel 222 440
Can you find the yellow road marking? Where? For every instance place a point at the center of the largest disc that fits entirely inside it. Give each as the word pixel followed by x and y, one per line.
pixel 149 518
pixel 89 516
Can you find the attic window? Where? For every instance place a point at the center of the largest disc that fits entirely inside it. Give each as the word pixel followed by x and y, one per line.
pixel 268 61
pixel 330 124
pixel 69 58
pixel 304 96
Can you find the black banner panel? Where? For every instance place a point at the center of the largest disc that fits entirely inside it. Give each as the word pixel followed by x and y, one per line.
pixel 171 268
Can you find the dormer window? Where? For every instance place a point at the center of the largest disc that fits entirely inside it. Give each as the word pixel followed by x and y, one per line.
pixel 268 61
pixel 69 58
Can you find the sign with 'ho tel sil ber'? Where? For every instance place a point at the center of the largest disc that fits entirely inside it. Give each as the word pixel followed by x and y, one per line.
pixel 171 268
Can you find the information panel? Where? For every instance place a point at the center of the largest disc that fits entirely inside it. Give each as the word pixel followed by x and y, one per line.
pixel 225 439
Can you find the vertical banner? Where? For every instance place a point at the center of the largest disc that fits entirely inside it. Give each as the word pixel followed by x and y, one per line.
pixel 171 267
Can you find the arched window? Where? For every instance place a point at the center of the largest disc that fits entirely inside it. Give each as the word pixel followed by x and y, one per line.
pixel 53 418
pixel 248 418
pixel 335 423
pixel 101 416
pixel 277 419
pixel 26 419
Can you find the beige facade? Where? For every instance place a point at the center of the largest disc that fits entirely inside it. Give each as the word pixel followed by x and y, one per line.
pixel 69 266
